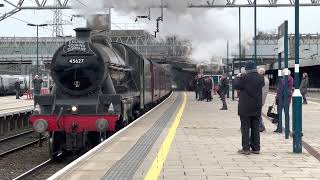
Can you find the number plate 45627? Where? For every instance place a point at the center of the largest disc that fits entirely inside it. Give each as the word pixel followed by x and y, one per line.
pixel 76 61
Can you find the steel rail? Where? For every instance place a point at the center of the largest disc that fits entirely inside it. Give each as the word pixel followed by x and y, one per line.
pixel 20 147
pixel 29 172
pixel 15 136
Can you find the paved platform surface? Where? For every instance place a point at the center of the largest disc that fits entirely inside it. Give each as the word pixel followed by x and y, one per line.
pixel 97 162
pixel 205 147
pixel 206 144
pixel 310 121
pixel 9 104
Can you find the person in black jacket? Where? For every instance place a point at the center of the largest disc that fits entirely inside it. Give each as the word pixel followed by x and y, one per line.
pixel 201 88
pixel 196 86
pixel 249 107
pixel 208 87
pixel 17 88
pixel 223 90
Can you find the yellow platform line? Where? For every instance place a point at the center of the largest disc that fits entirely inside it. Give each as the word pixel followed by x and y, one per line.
pixel 158 162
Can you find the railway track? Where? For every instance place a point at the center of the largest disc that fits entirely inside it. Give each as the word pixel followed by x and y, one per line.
pixel 15 136
pixel 15 162
pixel 45 169
pixel 18 142
pixel 13 151
pixel 33 170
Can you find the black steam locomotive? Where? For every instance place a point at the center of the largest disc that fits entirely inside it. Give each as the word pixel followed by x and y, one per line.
pixel 99 88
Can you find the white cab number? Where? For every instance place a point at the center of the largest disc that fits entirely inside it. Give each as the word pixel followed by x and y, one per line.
pixel 76 61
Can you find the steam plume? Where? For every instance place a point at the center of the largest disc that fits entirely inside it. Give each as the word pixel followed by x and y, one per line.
pixel 208 30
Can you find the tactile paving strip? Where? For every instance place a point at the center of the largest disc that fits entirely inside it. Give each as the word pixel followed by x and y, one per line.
pixel 126 167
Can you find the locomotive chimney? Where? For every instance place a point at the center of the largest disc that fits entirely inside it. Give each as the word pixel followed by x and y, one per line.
pixel 83 33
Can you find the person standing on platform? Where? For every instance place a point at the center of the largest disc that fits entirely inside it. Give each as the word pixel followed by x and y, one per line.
pixel 208 87
pixel 17 88
pixel 265 91
pixel 201 88
pixel 223 90
pixel 249 107
pixel 37 83
pixel 304 87
pixel 290 91
pixel 196 86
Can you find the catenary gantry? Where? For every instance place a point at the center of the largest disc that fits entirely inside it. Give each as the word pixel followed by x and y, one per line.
pixel 15 7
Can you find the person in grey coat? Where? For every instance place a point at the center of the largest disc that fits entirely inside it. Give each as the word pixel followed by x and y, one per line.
pixel 37 83
pixel 249 107
pixel 265 91
pixel 304 87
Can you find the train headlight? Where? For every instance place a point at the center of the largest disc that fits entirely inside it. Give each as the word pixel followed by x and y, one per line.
pixel 74 108
pixel 102 125
pixel 40 125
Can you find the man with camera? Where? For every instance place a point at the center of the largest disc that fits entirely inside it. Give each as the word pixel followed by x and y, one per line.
pixel 249 107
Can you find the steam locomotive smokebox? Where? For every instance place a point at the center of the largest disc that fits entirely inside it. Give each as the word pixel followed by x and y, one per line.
pixel 99 22
pixel 78 67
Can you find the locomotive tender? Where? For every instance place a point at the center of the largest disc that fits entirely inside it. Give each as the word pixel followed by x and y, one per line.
pixel 98 90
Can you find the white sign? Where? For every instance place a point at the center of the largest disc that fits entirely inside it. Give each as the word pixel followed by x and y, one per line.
pixel 75 45
pixel 76 61
pixel 296 68
pixel 281 45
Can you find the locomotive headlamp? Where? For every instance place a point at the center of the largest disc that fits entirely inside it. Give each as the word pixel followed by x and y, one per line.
pixel 74 108
pixel 40 125
pixel 102 125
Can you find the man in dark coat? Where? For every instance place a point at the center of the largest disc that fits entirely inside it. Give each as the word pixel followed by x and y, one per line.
pixel 196 86
pixel 201 88
pixel 223 90
pixel 208 87
pixel 249 107
pixel 37 83
pixel 17 88
pixel 304 87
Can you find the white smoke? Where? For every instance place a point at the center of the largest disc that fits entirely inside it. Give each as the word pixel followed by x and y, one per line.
pixel 208 30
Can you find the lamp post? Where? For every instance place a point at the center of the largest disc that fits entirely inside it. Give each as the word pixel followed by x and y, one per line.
pixel 255 31
pixel 228 74
pixel 297 97
pixel 37 25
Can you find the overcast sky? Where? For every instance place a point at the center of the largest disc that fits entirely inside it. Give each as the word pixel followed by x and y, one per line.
pixel 268 19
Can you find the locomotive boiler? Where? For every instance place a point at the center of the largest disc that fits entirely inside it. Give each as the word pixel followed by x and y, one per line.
pixel 99 88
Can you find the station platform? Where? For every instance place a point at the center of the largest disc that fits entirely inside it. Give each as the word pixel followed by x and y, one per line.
pixel 9 105
pixel 187 139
